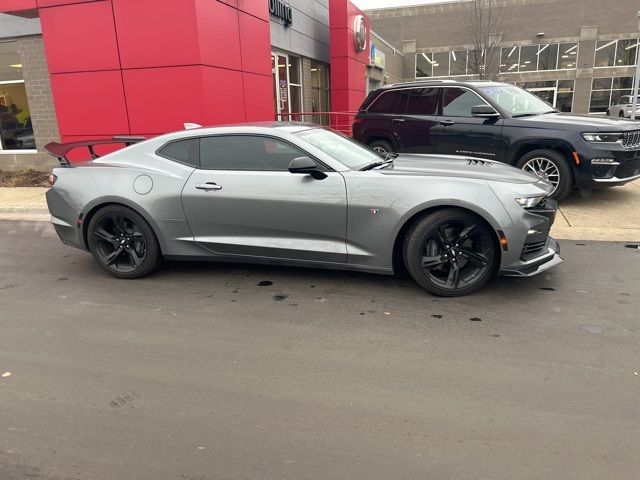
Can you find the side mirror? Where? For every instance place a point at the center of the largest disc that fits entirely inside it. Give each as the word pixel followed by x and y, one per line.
pixel 484 111
pixel 306 166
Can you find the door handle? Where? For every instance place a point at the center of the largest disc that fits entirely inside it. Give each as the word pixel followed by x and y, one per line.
pixel 397 120
pixel 208 186
pixel 447 123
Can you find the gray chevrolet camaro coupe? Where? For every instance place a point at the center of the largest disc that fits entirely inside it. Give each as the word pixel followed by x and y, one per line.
pixel 303 195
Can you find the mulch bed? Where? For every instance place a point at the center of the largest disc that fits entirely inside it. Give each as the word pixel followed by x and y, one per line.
pixel 24 178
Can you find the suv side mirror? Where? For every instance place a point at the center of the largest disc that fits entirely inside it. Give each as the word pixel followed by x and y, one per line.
pixel 483 111
pixel 306 166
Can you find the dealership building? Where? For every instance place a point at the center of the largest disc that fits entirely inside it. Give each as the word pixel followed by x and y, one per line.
pixel 579 55
pixel 85 69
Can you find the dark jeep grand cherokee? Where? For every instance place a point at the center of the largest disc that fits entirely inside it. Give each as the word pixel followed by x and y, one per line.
pixel 498 121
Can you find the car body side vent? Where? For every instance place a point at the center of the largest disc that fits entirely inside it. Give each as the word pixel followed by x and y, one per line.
pixel 482 163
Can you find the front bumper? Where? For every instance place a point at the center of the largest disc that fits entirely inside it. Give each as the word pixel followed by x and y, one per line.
pixel 624 166
pixel 539 264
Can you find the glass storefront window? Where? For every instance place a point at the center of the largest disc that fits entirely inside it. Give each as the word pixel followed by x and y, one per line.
pixel 528 58
pixel 424 64
pixel 548 57
pixel 567 55
pixel 607 91
pixel 605 53
pixel 16 131
pixel 531 58
pixel 458 62
pixel 441 64
pixel 558 93
pixel 510 59
pixel 626 52
pixel 295 86
pixel 320 101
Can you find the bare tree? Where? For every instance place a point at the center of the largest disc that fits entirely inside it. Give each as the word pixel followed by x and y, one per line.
pixel 486 25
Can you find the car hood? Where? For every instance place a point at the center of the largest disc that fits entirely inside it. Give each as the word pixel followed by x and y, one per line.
pixel 573 120
pixel 457 166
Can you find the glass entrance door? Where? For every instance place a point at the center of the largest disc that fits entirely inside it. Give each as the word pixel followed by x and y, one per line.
pixel 549 95
pixel 279 63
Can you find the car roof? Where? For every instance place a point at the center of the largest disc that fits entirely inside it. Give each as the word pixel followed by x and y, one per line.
pixel 445 82
pixel 255 127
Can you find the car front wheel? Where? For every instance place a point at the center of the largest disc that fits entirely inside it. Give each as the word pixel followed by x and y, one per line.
pixel 550 166
pixel 122 242
pixel 450 253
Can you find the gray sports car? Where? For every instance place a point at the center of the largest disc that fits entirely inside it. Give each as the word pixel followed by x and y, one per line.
pixel 303 195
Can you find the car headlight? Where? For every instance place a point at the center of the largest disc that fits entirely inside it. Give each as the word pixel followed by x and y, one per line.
pixel 530 202
pixel 602 137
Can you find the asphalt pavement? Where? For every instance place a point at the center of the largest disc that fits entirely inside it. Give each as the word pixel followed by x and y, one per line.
pixel 212 371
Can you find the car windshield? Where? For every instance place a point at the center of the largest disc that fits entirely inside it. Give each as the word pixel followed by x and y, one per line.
pixel 345 150
pixel 516 101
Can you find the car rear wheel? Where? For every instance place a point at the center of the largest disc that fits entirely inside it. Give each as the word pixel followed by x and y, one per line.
pixel 381 146
pixel 551 166
pixel 450 253
pixel 122 242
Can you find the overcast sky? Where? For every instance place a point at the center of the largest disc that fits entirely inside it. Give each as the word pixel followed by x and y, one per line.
pixel 368 4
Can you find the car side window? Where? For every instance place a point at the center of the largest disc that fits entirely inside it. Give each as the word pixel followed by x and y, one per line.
pixel 184 151
pixel 246 152
pixel 457 102
pixel 423 101
pixel 390 102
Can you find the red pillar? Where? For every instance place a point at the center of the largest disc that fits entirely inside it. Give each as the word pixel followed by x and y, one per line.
pixel 348 63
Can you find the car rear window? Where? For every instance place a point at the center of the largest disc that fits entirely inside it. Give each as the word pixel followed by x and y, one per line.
pixel 423 101
pixel 391 102
pixel 184 151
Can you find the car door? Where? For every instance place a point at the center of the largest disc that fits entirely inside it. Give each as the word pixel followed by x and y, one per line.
pixel 385 115
pixel 460 133
pixel 416 129
pixel 244 201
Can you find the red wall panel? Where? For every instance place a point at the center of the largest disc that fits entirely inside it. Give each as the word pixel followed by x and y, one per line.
pixel 16 5
pixel 162 99
pixel 56 3
pixel 259 106
pixel 80 37
pixel 255 41
pixel 154 33
pixel 90 103
pixel 219 34
pixel 256 8
pixel 223 96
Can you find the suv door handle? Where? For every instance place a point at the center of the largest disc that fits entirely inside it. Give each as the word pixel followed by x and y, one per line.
pixel 208 186
pixel 447 123
pixel 397 120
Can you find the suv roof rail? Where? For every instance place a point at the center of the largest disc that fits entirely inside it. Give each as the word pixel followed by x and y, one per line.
pixel 419 82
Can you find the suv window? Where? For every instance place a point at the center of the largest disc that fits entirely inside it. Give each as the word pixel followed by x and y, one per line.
pixel 183 151
pixel 246 152
pixel 457 102
pixel 391 102
pixel 423 101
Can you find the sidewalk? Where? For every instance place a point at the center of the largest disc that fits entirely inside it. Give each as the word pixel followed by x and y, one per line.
pixel 611 214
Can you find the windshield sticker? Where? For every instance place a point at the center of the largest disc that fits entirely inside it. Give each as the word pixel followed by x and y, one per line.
pixel 493 91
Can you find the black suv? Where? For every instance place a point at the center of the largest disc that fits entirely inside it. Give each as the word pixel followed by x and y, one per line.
pixel 498 121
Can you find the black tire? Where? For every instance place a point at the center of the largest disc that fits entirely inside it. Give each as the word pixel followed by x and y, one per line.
pixel 122 242
pixel 562 176
pixel 608 113
pixel 381 146
pixel 449 240
pixel 621 115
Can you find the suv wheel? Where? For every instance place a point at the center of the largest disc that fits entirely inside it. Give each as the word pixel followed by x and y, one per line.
pixel 381 146
pixel 551 166
pixel 450 253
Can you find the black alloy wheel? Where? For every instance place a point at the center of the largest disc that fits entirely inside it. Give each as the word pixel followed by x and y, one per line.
pixel 451 253
pixel 122 242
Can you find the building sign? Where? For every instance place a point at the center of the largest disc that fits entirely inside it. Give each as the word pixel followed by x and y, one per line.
pixel 359 33
pixel 376 57
pixel 281 10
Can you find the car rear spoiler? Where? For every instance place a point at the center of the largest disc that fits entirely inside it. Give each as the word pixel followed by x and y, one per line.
pixel 61 150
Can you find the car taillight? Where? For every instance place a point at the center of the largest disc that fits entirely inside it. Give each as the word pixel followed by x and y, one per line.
pixel 52 179
pixel 357 120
